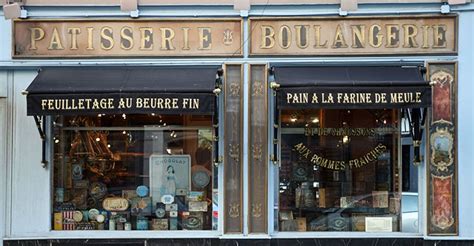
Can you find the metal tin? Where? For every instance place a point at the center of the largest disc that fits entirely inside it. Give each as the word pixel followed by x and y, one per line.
pixel 120 226
pixel 93 214
pixel 111 225
pixel 142 224
pixel 101 226
pixel 59 194
pixel 115 204
pixel 167 199
pixel 77 172
pixel 174 223
pixel 173 214
pixel 77 216
pixel 85 215
pixel 171 207
pixel 100 218
pixel 142 191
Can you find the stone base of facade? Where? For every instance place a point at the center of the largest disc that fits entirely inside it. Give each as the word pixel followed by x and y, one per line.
pixel 242 242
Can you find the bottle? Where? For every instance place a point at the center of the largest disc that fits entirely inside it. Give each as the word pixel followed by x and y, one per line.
pixel 298 197
pixel 307 195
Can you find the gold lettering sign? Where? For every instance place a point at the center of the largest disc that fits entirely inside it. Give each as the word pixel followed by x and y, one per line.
pixel 121 103
pixel 351 132
pixel 352 36
pixel 354 98
pixel 125 38
pixel 115 204
pixel 359 162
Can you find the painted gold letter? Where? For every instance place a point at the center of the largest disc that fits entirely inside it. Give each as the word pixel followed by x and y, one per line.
pixel 106 38
pixel 90 42
pixel 375 38
pixel 439 36
pixel 37 34
pixel 126 38
pixel 339 41
pixel 167 35
pixel 302 36
pixel 317 36
pixel 74 31
pixel 284 37
pixel 268 37
pixel 185 38
pixel 393 36
pixel 410 32
pixel 146 37
pixel 358 36
pixel 55 43
pixel 205 39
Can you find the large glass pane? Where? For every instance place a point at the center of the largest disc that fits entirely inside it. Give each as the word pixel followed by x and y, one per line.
pixel 340 171
pixel 134 172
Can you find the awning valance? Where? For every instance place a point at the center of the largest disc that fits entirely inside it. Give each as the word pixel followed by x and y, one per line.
pixel 117 90
pixel 351 87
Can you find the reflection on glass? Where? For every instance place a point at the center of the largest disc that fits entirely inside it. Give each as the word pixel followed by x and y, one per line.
pixel 134 172
pixel 340 171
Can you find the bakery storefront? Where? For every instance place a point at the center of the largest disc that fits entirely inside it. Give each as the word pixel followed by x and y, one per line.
pixel 128 143
pixel 238 134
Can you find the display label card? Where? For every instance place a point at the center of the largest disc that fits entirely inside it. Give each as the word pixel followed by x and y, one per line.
pixel 378 224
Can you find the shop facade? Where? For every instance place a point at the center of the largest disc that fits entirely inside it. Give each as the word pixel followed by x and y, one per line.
pixel 220 126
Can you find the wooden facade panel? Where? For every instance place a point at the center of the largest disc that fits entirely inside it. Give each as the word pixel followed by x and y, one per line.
pixel 258 149
pixel 442 149
pixel 233 158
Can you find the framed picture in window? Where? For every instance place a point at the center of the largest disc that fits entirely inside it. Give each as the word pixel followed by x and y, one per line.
pixel 167 174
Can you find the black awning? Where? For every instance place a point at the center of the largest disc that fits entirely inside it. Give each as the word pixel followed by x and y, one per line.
pixel 351 87
pixel 291 76
pixel 116 90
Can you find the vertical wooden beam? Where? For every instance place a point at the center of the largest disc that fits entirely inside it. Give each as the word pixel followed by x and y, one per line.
pixel 233 158
pixel 442 148
pixel 258 149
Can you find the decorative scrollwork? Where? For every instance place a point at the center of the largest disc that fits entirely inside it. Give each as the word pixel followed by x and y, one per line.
pixel 228 37
pixel 442 78
pixel 235 89
pixel 257 152
pixel 234 210
pixel 441 142
pixel 442 216
pixel 257 88
pixel 234 152
pixel 257 210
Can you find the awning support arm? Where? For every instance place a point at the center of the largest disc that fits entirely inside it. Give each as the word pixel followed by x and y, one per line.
pixel 274 86
pixel 416 115
pixel 41 126
pixel 218 89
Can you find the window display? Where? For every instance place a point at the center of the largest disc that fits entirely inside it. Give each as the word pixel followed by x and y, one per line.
pixel 134 172
pixel 340 170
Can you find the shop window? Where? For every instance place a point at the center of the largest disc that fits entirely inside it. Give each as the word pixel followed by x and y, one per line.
pixel 341 170
pixel 134 172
